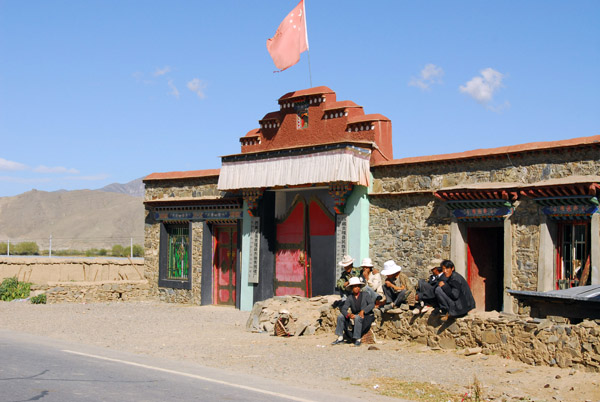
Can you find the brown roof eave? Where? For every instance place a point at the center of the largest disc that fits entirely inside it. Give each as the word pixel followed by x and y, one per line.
pixel 495 152
pixel 369 144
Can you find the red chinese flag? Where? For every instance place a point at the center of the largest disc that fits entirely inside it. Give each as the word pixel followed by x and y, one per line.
pixel 290 39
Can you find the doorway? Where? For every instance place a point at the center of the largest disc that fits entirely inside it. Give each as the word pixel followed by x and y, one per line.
pixel 224 264
pixel 305 250
pixel 485 266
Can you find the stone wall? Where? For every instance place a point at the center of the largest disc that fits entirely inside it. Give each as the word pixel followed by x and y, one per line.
pixel 163 190
pixel 414 227
pixel 190 188
pixel 88 292
pixel 79 279
pixel 551 342
pixel 411 231
pixel 517 168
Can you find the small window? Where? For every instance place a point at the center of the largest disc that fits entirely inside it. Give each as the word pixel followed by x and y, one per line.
pixel 179 261
pixel 301 109
pixel 175 259
pixel 572 254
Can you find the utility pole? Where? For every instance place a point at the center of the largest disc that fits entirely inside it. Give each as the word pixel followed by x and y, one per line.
pixel 8 248
pixel 50 247
pixel 131 247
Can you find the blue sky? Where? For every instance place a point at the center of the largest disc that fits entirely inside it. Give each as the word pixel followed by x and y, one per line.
pixel 96 92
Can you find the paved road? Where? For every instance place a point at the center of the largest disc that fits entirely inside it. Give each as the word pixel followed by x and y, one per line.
pixel 40 369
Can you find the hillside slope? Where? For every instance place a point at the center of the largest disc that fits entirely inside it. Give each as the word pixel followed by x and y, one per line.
pixel 78 219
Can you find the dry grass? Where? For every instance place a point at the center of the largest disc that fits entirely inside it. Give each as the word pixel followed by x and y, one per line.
pixel 423 391
pixel 415 391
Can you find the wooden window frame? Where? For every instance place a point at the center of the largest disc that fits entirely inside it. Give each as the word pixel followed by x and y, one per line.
pixel 571 281
pixel 163 265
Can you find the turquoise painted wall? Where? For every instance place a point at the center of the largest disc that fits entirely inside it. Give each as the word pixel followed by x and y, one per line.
pixel 247 289
pixel 357 209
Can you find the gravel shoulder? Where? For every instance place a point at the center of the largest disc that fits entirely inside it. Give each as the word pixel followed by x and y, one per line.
pixel 216 337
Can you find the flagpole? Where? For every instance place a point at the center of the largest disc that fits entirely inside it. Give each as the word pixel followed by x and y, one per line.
pixel 309 72
pixel 307 47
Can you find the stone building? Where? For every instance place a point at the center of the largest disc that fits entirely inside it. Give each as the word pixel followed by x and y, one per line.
pixel 317 180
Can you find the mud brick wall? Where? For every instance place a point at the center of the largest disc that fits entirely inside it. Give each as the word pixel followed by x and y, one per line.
pixel 42 270
pixel 79 279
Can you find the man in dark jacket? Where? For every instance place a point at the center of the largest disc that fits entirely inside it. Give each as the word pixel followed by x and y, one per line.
pixel 426 289
pixel 358 307
pixel 453 293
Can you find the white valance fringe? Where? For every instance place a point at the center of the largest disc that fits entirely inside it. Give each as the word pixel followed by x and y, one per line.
pixel 346 165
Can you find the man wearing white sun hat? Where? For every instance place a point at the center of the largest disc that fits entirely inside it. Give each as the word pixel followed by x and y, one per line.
pixel 397 287
pixel 358 307
pixel 348 272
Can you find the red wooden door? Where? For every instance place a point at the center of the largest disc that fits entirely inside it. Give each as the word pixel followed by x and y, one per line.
pixel 485 267
pixel 225 256
pixel 291 266
pixel 321 248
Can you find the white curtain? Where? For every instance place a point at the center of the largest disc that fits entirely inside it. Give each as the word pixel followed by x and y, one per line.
pixel 350 164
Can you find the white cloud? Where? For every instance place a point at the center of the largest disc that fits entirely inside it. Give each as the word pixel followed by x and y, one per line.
pixel 196 85
pixel 162 71
pixel 174 90
pixel 55 169
pixel 482 88
pixel 10 165
pixel 431 74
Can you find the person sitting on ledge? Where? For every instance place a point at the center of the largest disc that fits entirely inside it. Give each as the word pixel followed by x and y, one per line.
pixel 349 271
pixel 426 300
pixel 397 287
pixel 358 307
pixel 453 293
pixel 373 281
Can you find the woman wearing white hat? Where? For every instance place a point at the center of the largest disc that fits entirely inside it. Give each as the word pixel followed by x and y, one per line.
pixel 358 307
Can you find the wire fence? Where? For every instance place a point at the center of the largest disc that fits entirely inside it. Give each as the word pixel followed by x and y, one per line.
pixel 131 246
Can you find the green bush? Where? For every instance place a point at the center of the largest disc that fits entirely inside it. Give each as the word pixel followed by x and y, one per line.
pixel 102 251
pixel 39 299
pixel 25 248
pixel 117 250
pixel 11 289
pixel 3 248
pixel 138 251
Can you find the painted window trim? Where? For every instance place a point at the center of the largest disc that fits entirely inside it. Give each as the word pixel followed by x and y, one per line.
pixel 163 282
pixel 559 248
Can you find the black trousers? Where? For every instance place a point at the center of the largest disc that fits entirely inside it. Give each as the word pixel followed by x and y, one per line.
pixel 391 296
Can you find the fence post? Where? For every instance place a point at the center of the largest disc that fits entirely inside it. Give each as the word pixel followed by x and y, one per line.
pixel 131 247
pixel 50 247
pixel 8 248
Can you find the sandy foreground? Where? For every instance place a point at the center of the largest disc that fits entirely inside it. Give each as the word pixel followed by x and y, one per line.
pixel 216 337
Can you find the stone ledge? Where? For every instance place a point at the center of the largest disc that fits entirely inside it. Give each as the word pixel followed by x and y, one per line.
pixel 551 342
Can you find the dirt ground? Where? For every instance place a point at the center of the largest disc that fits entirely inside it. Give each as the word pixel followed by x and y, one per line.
pixel 216 337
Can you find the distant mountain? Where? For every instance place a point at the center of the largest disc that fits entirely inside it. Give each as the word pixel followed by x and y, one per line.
pixel 134 188
pixel 80 219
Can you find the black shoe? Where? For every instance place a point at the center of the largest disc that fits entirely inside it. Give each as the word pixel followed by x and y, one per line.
pixel 357 342
pixel 337 342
